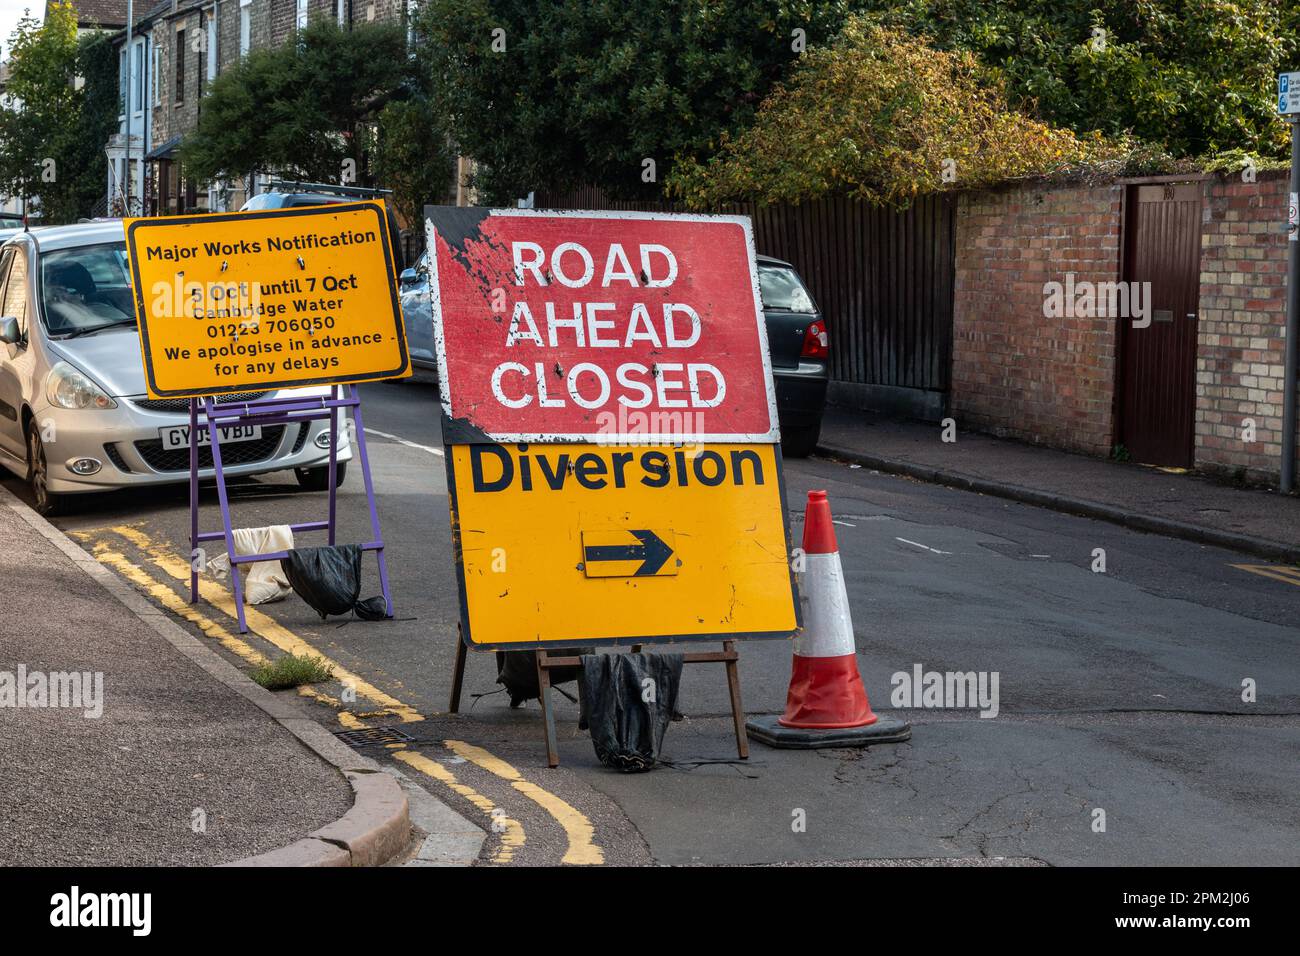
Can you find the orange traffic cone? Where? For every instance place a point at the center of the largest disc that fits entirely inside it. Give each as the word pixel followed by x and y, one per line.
pixel 826 705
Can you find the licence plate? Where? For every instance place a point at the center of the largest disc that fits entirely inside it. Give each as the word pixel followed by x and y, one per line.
pixel 178 436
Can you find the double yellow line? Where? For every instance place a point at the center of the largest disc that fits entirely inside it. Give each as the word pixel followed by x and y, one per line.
pixel 581 846
pixel 1277 572
pixel 261 624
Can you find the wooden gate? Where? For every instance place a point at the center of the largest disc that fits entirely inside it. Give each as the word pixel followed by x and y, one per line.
pixel 1162 251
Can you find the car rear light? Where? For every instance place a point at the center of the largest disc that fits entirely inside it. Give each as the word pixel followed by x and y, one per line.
pixel 816 343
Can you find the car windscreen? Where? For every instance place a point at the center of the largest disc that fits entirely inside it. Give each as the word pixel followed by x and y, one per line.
pixel 782 291
pixel 86 288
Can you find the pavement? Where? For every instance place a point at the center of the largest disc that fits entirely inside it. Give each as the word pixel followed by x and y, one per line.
pixel 1121 688
pixel 1174 502
pixel 162 753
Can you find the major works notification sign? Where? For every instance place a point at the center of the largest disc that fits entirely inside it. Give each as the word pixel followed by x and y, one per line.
pixel 613 468
pixel 568 326
pixel 268 299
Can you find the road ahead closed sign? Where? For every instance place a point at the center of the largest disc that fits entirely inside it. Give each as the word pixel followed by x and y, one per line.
pixel 263 300
pixel 613 467
pixel 569 326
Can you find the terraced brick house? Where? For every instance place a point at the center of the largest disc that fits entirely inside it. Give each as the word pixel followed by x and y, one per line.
pixel 178 47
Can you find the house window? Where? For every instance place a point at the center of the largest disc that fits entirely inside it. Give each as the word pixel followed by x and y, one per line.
pixel 179 53
pixel 302 13
pixel 199 44
pixel 155 93
pixel 137 64
pixel 211 23
pixel 245 26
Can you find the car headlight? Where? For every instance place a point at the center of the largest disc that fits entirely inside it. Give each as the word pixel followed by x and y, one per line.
pixel 68 388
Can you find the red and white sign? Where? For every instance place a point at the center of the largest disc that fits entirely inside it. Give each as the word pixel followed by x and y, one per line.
pixel 583 326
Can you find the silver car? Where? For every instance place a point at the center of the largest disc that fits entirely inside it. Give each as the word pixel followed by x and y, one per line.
pixel 74 415
pixel 417 313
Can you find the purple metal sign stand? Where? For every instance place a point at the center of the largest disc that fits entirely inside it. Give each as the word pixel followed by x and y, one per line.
pixel 275 411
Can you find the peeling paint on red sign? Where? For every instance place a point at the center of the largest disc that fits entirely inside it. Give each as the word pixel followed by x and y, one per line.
pixel 577 326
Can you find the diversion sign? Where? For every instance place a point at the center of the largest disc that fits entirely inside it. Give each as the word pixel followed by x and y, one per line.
pixel 592 544
pixel 263 300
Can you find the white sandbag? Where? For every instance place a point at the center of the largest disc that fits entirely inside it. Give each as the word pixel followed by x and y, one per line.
pixel 264 581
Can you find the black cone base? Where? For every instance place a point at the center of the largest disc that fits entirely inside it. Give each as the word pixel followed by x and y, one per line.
pixel 886 730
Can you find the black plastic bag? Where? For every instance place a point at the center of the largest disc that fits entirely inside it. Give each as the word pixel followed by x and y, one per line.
pixel 372 608
pixel 329 579
pixel 627 702
pixel 517 670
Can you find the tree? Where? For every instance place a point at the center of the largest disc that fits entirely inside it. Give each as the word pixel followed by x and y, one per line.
pixel 52 134
pixel 413 157
pixel 301 109
pixel 606 92
pixel 1196 77
pixel 881 116
pixel 97 65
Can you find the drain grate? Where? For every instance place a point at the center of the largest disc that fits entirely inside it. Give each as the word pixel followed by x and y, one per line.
pixel 373 736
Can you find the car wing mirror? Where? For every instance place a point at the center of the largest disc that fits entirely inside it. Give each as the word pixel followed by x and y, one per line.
pixel 9 333
pixel 408 277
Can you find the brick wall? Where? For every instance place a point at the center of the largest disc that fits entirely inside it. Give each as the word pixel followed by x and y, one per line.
pixel 227 34
pixel 271 24
pixel 1016 372
pixel 159 121
pixel 183 113
pixel 1239 362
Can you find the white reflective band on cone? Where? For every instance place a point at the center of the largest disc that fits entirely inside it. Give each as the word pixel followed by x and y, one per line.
pixel 827 625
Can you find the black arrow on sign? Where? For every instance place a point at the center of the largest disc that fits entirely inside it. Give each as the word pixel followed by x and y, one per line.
pixel 652 552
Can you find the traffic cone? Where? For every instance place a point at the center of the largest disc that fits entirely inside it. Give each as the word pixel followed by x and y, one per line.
pixel 826 705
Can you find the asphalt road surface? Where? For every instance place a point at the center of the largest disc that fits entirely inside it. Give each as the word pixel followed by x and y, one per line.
pixel 1121 733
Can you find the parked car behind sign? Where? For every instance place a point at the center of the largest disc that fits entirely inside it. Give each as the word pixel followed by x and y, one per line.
pixel 290 195
pixel 800 350
pixel 418 315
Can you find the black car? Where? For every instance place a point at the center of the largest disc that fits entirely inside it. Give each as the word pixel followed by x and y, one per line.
pixel 800 349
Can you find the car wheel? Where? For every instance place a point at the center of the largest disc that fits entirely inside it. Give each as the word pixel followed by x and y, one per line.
pixel 318 479
pixel 38 475
pixel 800 442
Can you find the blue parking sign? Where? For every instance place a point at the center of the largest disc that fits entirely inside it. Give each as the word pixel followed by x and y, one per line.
pixel 1288 94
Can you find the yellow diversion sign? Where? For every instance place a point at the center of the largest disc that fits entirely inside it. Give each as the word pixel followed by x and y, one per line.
pixel 582 543
pixel 268 299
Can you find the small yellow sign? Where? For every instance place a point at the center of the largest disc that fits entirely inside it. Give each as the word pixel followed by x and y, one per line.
pixel 267 299
pixel 585 543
